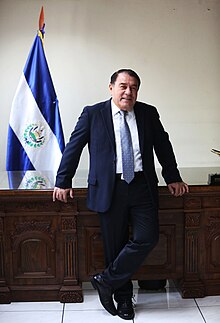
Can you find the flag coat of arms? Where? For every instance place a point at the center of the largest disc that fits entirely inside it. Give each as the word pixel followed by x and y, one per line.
pixel 35 135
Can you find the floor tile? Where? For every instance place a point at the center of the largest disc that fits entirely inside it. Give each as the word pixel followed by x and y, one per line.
pixel 171 315
pixel 31 316
pixel 91 302
pixel 208 301
pixel 31 306
pixel 98 316
pixel 166 299
pixel 211 314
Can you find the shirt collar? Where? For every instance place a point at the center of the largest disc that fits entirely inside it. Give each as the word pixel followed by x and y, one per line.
pixel 115 109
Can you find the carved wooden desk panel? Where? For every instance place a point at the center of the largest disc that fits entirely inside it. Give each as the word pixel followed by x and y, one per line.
pixel 38 248
pixel 47 249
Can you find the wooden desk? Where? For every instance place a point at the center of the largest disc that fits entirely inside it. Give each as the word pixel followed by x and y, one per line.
pixel 47 249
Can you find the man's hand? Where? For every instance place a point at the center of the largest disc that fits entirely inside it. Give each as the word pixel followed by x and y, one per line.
pixel 62 194
pixel 178 188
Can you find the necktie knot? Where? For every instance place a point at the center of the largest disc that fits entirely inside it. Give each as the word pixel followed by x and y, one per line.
pixel 123 113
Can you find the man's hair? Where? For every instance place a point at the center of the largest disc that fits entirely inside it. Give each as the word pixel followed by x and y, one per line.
pixel 129 72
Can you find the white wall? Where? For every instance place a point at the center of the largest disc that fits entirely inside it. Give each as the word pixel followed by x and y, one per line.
pixel 173 45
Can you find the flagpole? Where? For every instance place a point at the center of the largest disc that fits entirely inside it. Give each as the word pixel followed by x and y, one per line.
pixel 41 31
pixel 41 19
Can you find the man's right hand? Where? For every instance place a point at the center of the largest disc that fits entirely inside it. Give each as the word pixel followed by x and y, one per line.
pixel 61 194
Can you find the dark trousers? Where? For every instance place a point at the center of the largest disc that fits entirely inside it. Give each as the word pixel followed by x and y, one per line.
pixel 125 251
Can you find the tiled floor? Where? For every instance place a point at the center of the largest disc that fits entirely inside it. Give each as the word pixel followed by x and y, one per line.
pixel 154 307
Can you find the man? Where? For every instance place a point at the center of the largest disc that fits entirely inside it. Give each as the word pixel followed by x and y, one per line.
pixel 122 183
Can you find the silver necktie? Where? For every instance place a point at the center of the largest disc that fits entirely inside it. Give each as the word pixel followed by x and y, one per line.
pixel 126 149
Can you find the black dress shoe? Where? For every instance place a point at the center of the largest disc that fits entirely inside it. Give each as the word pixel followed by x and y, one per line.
pixel 105 294
pixel 125 309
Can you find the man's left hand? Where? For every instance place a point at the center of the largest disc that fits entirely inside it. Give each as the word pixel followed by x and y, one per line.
pixel 178 188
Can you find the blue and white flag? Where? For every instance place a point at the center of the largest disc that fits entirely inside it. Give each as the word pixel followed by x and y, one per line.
pixel 35 135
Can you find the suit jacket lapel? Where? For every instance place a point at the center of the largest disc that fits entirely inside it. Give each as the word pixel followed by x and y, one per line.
pixel 140 120
pixel 106 113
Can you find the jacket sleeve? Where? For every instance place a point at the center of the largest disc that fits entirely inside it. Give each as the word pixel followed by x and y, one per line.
pixel 164 151
pixel 72 152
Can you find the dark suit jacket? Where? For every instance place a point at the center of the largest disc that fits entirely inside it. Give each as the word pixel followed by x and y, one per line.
pixel 95 128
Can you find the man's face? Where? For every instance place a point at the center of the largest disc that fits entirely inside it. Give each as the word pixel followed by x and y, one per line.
pixel 124 91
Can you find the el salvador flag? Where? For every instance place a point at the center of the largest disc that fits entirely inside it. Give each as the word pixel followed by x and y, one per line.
pixel 35 135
